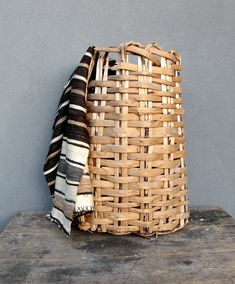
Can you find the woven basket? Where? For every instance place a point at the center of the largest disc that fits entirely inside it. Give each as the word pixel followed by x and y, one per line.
pixel 137 158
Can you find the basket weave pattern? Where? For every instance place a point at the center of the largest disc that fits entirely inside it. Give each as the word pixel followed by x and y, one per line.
pixel 137 157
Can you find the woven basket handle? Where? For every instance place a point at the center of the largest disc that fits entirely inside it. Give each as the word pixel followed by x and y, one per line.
pixel 151 51
pixel 132 47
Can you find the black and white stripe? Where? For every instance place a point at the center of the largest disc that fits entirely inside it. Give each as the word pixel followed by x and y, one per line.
pixel 66 160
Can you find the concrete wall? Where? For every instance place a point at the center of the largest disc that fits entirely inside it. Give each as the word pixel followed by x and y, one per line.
pixel 43 41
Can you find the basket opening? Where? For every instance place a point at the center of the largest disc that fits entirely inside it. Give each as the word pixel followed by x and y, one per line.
pixel 133 59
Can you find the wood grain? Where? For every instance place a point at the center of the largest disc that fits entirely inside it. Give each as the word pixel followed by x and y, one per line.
pixel 35 251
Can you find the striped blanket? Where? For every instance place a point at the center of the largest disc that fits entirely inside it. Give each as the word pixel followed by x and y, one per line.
pixel 65 167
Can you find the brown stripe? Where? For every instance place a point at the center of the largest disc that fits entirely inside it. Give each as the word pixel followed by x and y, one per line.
pixel 51 155
pixel 78 123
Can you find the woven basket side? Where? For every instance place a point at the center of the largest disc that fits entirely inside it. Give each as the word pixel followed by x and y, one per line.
pixel 137 157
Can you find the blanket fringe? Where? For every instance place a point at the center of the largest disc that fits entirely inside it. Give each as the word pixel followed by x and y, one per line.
pixel 84 209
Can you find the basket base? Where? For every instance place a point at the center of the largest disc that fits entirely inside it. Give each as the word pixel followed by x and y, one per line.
pixel 86 226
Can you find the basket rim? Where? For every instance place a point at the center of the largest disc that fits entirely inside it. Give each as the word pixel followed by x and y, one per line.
pixel 150 47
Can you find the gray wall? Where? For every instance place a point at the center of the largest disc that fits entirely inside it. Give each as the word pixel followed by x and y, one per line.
pixel 43 41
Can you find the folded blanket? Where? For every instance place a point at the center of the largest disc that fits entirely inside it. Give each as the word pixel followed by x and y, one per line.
pixel 65 167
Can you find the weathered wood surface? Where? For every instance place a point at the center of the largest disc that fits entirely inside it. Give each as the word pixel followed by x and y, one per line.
pixel 34 250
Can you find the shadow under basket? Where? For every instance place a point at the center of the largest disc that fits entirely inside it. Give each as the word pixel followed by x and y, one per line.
pixel 137 154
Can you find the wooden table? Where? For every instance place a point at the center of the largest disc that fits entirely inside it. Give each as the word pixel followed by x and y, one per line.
pixel 34 250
